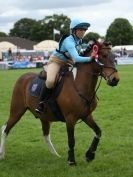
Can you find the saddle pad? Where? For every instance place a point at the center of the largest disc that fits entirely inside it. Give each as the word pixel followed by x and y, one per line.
pixel 34 90
pixel 35 86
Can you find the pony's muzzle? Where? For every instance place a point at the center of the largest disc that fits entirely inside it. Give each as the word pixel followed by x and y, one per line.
pixel 112 81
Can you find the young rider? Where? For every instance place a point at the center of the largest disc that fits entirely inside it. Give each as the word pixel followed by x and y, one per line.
pixel 69 49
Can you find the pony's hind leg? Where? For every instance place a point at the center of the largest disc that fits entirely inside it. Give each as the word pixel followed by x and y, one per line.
pixel 16 112
pixel 2 145
pixel 90 154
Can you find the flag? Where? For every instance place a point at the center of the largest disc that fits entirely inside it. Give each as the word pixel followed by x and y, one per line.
pixel 56 31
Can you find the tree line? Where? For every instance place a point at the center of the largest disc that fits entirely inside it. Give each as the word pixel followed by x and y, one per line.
pixel 119 32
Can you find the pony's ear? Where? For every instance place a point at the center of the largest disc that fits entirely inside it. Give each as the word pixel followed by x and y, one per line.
pixel 100 40
pixel 107 43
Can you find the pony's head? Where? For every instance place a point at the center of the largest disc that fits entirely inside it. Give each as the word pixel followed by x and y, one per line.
pixel 104 64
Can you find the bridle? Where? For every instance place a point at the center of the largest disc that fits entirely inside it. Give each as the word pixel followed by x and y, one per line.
pixel 96 49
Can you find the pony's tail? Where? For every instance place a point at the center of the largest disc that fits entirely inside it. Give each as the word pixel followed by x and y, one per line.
pixel 50 145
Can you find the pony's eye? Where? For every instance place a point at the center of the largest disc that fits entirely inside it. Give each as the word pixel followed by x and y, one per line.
pixel 104 55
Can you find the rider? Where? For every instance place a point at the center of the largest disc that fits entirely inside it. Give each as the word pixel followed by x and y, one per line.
pixel 69 49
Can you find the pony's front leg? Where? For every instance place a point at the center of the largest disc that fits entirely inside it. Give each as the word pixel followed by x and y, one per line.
pixel 3 141
pixel 90 154
pixel 71 144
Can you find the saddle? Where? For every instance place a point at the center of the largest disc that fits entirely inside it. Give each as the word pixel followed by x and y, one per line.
pixel 39 81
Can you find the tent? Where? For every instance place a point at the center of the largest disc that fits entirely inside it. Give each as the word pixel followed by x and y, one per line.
pixel 47 45
pixel 4 47
pixel 128 48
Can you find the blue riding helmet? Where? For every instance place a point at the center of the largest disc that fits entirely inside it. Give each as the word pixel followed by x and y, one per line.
pixel 76 24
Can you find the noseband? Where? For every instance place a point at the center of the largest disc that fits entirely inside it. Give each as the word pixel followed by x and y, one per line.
pixel 108 77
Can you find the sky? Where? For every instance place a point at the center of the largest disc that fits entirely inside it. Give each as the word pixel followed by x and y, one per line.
pixel 99 13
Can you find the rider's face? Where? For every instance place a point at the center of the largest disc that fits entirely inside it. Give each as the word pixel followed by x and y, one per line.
pixel 80 33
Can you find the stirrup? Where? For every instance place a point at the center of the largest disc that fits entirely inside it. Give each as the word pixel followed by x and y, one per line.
pixel 38 111
pixel 39 108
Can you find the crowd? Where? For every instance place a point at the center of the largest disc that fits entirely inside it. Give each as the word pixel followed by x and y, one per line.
pixel 24 59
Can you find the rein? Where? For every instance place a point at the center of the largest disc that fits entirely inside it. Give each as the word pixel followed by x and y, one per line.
pixel 88 102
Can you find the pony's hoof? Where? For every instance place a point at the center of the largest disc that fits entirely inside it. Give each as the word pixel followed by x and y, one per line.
pixel 90 156
pixel 72 163
pixel 2 156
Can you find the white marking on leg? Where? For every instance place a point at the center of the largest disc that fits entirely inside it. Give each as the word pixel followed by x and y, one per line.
pixel 3 141
pixel 50 145
pixel 97 136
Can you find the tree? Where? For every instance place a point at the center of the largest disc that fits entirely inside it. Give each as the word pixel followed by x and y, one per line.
pixel 120 32
pixel 2 34
pixel 41 29
pixel 90 36
pixel 37 32
pixel 58 22
pixel 23 28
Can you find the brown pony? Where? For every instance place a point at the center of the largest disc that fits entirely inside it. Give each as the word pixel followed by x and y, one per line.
pixel 77 100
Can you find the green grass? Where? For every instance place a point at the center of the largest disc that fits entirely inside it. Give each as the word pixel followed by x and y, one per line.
pixel 27 155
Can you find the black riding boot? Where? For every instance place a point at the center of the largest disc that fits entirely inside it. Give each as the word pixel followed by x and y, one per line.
pixel 43 98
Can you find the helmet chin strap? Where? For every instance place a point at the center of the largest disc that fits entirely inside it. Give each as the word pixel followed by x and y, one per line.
pixel 75 36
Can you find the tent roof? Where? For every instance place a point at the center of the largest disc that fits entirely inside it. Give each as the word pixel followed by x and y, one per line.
pixel 19 42
pixel 4 46
pixel 47 45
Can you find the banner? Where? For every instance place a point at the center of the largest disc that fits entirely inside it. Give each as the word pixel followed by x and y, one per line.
pixel 124 60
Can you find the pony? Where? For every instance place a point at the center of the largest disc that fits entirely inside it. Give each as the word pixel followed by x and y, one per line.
pixel 77 100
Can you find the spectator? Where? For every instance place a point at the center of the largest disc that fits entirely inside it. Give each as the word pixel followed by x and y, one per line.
pixel 9 54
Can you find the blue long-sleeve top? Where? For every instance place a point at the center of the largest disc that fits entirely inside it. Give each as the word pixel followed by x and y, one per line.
pixel 69 46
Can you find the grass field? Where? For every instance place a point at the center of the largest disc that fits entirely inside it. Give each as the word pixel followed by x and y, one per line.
pixel 27 155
